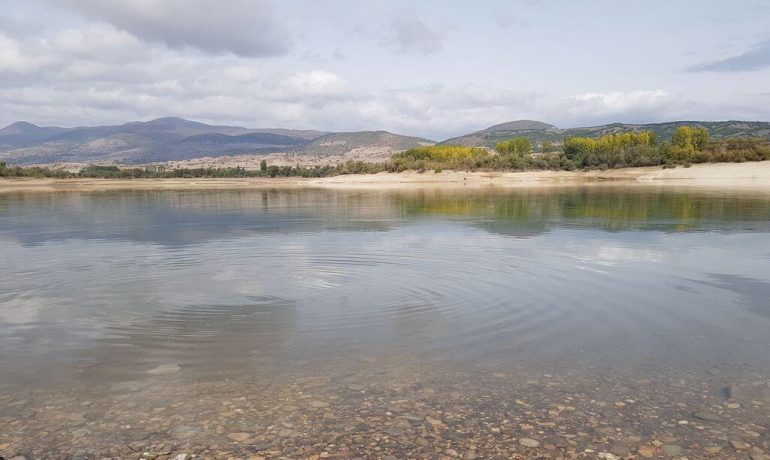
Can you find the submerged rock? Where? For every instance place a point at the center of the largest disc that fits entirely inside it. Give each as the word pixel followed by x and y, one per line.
pixel 672 450
pixel 739 445
pixel 708 416
pixel 165 369
pixel 528 442
pixel 239 437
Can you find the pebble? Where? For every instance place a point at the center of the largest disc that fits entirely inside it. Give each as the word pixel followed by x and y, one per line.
pixel 393 431
pixel 739 445
pixel 165 369
pixel 239 437
pixel 672 450
pixel 529 442
pixel 708 416
pixel 712 450
pixel 646 451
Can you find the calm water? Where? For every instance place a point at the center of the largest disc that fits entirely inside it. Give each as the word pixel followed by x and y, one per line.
pixel 186 288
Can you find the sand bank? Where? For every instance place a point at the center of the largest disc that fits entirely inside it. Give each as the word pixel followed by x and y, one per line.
pixel 722 175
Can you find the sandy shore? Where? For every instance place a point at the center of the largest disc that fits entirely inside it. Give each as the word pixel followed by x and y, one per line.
pixel 755 175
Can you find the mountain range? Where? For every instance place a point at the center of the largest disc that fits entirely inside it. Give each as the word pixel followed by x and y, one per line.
pixel 176 139
pixel 538 132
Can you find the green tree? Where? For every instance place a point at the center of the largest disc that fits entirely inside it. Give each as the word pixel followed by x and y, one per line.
pixel 691 138
pixel 515 146
pixel 686 143
pixel 546 147
pixel 263 166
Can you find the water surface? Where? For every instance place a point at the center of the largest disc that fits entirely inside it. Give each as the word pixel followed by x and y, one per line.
pixel 154 296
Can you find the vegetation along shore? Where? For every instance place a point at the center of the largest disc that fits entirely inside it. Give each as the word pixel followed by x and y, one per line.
pixel 688 145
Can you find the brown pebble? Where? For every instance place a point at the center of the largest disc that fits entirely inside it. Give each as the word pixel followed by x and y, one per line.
pixel 739 445
pixel 647 451
pixel 528 442
pixel 239 437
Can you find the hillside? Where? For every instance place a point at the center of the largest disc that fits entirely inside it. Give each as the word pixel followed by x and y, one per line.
pixel 538 132
pixel 176 139
pixel 22 133
pixel 334 144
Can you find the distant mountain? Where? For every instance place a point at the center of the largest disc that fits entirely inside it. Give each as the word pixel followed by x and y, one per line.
pixel 538 132
pixel 177 139
pixel 22 133
pixel 170 139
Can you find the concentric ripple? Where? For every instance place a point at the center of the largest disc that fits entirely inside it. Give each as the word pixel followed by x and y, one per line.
pixel 239 282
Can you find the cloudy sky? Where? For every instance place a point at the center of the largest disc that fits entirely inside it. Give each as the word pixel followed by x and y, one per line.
pixel 434 68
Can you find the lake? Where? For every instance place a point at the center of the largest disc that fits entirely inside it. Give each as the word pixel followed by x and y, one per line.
pixel 296 323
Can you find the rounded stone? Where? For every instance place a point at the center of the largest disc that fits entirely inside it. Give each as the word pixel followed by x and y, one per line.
pixel 529 442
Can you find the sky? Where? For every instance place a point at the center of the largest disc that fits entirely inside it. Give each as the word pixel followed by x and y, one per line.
pixel 431 68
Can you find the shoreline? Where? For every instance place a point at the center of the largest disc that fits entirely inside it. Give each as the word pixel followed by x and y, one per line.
pixel 749 175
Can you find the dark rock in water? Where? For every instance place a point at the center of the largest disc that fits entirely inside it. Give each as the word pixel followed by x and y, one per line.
pixel 708 416
pixel 726 392
pixel 260 447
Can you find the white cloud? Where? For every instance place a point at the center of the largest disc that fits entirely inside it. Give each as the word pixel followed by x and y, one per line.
pixel 242 27
pixel 316 83
pixel 12 59
pixel 412 35
pixel 98 42
pixel 635 105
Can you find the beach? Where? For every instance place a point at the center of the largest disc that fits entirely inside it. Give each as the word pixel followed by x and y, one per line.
pixel 754 175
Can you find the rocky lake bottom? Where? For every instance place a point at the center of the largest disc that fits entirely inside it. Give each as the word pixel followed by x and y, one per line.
pixel 379 408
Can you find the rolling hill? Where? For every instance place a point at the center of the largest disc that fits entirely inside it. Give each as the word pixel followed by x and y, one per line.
pixel 173 139
pixel 538 132
pixel 167 139
pixel 22 133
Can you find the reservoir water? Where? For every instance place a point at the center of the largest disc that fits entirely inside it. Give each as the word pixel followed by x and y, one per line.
pixel 297 323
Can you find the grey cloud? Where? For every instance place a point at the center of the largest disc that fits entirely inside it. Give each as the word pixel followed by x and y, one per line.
pixel 242 27
pixel 507 20
pixel 411 35
pixel 755 59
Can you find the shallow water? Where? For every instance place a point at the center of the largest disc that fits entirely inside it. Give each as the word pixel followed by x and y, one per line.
pixel 599 318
